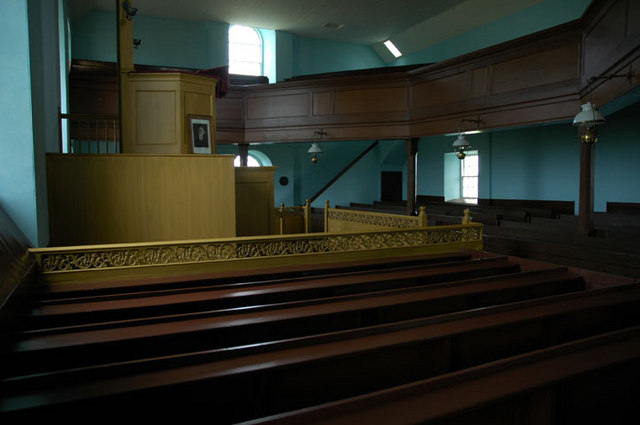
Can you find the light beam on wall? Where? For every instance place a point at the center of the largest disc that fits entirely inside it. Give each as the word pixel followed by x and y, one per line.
pixel 393 49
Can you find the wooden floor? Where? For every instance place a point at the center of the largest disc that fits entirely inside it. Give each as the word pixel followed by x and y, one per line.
pixel 449 339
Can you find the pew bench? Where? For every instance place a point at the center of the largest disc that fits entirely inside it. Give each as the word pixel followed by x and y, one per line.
pixel 133 305
pixel 336 365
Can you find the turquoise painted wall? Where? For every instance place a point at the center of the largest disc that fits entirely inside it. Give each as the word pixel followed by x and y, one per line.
pixel 543 15
pixel 617 177
pixel 533 163
pixel 173 42
pixel 314 56
pixel 17 177
pixel 93 37
pixel 543 162
pixel 284 55
pixel 306 178
pixel 44 60
pixel 168 42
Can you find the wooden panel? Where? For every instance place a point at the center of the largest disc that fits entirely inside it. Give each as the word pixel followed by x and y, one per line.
pixel 155 117
pixel 603 38
pixel 229 108
pixel 633 18
pixel 159 104
pixel 95 199
pixel 371 100
pixel 449 89
pixel 322 103
pixel 479 82
pixel 278 106
pixel 197 103
pixel 15 265
pixel 546 67
pixel 254 201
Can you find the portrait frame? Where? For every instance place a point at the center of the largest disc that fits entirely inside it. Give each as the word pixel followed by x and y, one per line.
pixel 200 134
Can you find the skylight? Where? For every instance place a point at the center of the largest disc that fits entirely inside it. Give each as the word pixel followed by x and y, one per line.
pixel 393 49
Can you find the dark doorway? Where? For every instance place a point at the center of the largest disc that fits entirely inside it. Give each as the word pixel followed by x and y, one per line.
pixel 391 186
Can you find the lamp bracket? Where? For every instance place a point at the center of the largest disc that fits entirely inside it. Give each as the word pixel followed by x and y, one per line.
pixel 477 121
pixel 129 12
pixel 628 76
pixel 320 133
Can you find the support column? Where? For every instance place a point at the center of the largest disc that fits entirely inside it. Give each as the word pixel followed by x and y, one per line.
pixel 243 151
pixel 585 203
pixel 412 177
pixel 125 65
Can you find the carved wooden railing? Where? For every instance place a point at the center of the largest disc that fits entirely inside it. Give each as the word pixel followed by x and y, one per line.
pixel 89 133
pixel 296 219
pixel 102 262
pixel 346 220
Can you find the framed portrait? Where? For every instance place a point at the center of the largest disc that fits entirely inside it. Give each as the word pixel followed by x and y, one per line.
pixel 200 131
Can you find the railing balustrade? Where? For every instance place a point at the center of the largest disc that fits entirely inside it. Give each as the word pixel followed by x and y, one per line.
pixel 89 133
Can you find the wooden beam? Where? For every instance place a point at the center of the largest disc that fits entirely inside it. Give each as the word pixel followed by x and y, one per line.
pixel 585 203
pixel 125 65
pixel 412 176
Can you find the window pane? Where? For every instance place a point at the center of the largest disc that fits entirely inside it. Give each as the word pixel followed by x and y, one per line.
pixel 245 68
pixel 470 165
pixel 245 52
pixel 243 34
pixel 469 187
pixel 251 161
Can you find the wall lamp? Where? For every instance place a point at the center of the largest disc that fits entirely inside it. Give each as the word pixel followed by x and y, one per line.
pixel 461 145
pixel 589 117
pixel 129 12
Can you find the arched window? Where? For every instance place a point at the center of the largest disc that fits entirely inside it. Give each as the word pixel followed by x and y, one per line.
pixel 245 50
pixel 254 159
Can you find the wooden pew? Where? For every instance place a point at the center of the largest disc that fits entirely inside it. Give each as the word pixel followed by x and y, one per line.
pixel 335 366
pixel 220 295
pixel 166 335
pixel 588 381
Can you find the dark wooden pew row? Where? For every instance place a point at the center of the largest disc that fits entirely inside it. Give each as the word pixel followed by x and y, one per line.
pixel 129 305
pixel 59 348
pixel 588 381
pixel 333 366
pixel 66 290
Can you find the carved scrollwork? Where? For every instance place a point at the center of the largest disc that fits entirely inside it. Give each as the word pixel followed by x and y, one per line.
pixel 397 222
pixel 127 256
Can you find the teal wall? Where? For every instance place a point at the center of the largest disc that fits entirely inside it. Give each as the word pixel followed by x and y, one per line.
pixel 17 152
pixel 543 162
pixel 617 177
pixel 168 42
pixel 284 55
pixel 44 60
pixel 173 42
pixel 306 178
pixel 314 56
pixel 543 15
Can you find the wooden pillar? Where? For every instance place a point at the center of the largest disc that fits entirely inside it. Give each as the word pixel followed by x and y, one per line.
pixel 585 203
pixel 243 151
pixel 125 65
pixel 412 177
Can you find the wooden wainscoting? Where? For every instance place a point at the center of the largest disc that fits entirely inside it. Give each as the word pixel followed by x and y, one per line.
pixel 255 201
pixel 97 199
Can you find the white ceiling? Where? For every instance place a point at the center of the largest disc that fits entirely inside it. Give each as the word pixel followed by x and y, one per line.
pixel 412 24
